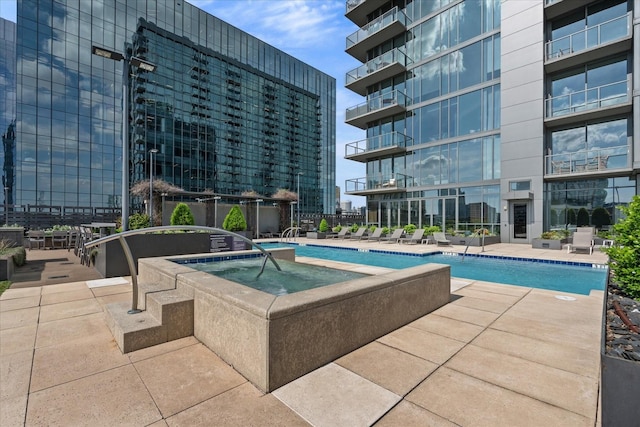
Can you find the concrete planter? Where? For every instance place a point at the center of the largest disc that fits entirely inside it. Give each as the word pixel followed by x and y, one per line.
pixel 111 262
pixel 7 267
pixel 619 380
pixel 14 235
pixel 539 243
pixel 316 235
pixel 473 240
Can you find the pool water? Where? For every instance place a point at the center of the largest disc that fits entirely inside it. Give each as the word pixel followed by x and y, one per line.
pixel 559 276
pixel 294 277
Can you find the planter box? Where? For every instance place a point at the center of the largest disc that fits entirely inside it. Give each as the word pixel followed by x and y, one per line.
pixel 472 240
pixel 7 267
pixel 14 235
pixel 619 384
pixel 538 243
pixel 111 262
pixel 316 235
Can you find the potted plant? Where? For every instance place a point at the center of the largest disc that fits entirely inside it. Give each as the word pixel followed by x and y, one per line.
pixel 554 239
pixel 620 367
pixel 236 223
pixel 321 233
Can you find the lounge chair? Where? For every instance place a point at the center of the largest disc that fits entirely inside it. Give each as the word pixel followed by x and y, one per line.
pixel 415 239
pixel 395 236
pixel 358 234
pixel 341 234
pixel 440 239
pixel 376 235
pixel 582 240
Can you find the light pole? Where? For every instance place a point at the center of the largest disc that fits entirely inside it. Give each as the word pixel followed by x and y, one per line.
pixel 151 153
pixel 142 65
pixel 291 216
pixel 215 210
pixel 6 205
pixel 258 217
pixel 162 209
pixel 298 207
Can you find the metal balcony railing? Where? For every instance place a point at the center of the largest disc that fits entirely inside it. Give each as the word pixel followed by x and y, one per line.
pixel 394 15
pixel 589 99
pixel 589 38
pixel 588 161
pixel 376 143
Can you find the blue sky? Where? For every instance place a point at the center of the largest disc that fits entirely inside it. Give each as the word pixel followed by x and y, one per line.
pixel 313 31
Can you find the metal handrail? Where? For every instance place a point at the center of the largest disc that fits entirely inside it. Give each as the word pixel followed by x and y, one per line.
pixel 288 233
pixel 127 251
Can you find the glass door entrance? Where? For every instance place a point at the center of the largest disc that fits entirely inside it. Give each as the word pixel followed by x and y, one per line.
pixel 520 221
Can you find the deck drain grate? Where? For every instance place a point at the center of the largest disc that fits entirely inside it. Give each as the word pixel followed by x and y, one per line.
pixel 66 263
pixel 57 277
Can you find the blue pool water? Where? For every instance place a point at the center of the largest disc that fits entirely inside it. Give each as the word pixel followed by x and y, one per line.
pixel 577 278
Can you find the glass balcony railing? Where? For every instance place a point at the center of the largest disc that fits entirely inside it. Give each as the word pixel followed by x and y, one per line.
pixel 388 140
pixel 614 29
pixel 394 15
pixel 352 4
pixel 376 64
pixel 594 160
pixel 593 98
pixel 376 103
pixel 377 182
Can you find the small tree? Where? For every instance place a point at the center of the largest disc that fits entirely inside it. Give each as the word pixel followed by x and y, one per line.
pixel 571 216
pixel 410 228
pixel 138 220
pixel 583 218
pixel 234 221
pixel 323 227
pixel 624 256
pixel 182 215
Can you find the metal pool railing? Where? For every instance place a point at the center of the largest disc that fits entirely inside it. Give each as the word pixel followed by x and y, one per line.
pixel 127 251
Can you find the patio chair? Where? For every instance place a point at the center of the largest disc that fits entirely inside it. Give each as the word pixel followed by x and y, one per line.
pixel 376 235
pixel 59 239
pixel 358 234
pixel 36 237
pixel 581 241
pixel 415 238
pixel 440 239
pixel 341 234
pixel 395 236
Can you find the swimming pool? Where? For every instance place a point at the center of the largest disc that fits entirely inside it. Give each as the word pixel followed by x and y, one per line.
pixel 576 278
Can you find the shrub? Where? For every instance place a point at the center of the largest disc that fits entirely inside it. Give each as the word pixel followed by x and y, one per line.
pixel 385 230
pixel 18 252
pixel 624 255
pixel 337 228
pixel 182 215
pixel 600 217
pixel 138 220
pixel 234 221
pixel 552 235
pixel 583 218
pixel 571 216
pixel 430 229
pixel 354 228
pixel 372 228
pixel 409 228
pixel 323 227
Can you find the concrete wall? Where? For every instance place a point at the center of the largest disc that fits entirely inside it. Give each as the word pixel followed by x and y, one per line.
pixel 522 107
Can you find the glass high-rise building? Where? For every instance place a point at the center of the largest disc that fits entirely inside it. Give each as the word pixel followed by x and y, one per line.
pixel 227 113
pixel 513 116
pixel 7 106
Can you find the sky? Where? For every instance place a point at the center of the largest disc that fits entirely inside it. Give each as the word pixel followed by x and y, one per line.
pixel 313 31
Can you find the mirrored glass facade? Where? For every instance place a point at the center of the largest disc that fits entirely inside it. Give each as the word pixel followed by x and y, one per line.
pixel 7 107
pixel 515 118
pixel 227 113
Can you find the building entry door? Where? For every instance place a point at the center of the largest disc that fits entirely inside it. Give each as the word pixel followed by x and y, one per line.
pixel 519 222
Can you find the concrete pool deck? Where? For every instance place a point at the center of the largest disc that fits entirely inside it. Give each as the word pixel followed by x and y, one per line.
pixel 495 355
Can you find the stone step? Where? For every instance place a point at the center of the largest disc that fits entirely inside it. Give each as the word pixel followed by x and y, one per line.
pixel 134 331
pixel 147 288
pixel 174 310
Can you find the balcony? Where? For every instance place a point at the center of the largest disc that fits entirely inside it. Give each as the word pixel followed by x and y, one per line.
pixel 555 8
pixel 610 37
pixel 593 103
pixel 377 183
pixel 377 147
pixel 357 10
pixel 383 28
pixel 587 162
pixel 376 108
pixel 383 67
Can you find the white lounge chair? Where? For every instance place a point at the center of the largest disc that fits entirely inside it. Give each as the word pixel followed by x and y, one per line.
pixel 440 239
pixel 376 235
pixel 358 234
pixel 581 241
pixel 341 234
